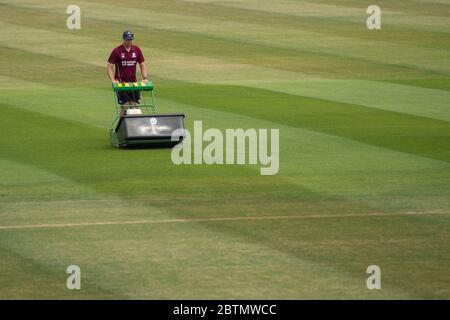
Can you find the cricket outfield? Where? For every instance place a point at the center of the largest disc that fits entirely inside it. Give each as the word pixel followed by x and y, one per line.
pixel 364 152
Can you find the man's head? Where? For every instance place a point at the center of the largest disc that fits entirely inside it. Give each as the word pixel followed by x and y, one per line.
pixel 128 37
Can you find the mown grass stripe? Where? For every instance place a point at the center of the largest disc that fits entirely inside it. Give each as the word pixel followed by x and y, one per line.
pixel 441 83
pixel 302 57
pixel 220 219
pixel 391 130
pixel 362 92
pixel 425 8
pixel 394 96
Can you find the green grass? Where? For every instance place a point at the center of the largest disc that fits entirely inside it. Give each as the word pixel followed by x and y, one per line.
pixel 364 121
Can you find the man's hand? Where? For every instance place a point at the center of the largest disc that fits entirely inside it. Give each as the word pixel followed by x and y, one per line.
pixel 110 72
pixel 144 72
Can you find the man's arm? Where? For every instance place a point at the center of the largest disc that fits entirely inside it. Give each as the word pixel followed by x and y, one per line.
pixel 144 73
pixel 111 72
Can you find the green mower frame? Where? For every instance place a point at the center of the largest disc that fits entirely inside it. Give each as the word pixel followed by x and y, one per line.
pixel 145 127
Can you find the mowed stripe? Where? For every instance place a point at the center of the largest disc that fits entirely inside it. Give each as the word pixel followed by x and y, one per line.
pixel 196 68
pixel 313 8
pixel 320 19
pixel 223 219
pixel 297 50
pixel 391 130
pixel 235 105
pixel 163 63
pixel 399 98
pixel 314 114
pixel 308 158
pixel 376 127
pixel 387 96
pixel 382 95
pixel 425 8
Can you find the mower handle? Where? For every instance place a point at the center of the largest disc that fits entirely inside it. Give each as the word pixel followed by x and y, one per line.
pixel 133 86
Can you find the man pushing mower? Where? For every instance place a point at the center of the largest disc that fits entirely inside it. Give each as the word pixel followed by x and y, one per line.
pixel 124 59
pixel 137 122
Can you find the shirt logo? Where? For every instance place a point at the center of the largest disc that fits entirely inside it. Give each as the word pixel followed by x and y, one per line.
pixel 133 55
pixel 122 55
pixel 128 63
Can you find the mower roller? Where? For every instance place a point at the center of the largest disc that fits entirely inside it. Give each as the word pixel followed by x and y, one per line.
pixel 140 125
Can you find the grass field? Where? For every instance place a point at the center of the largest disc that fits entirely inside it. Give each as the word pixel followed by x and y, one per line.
pixel 364 119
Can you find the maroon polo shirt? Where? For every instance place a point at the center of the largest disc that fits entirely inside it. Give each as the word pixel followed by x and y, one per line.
pixel 125 62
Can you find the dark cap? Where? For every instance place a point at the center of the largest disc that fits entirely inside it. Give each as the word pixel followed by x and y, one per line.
pixel 128 35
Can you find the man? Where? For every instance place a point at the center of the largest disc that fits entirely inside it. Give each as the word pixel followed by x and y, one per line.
pixel 124 58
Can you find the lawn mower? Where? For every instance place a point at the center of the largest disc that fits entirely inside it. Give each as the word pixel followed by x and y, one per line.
pixel 137 124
